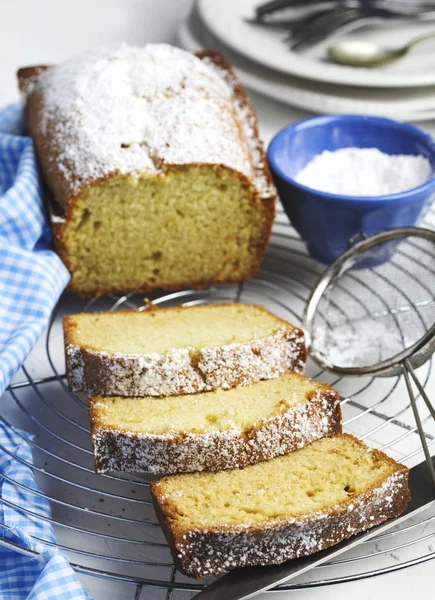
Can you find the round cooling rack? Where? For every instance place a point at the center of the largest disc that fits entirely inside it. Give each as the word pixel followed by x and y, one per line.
pixel 106 524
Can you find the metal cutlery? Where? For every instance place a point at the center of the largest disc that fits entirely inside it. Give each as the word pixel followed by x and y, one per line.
pixel 357 53
pixel 288 25
pixel 403 6
pixel 322 27
pixel 328 24
pixel 324 18
pixel 269 8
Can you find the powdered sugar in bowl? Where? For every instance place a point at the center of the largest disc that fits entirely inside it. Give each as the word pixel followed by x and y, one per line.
pixel 342 175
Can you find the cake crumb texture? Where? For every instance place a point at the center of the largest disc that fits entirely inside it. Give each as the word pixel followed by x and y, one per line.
pixel 179 350
pixel 276 510
pixel 153 158
pixel 221 429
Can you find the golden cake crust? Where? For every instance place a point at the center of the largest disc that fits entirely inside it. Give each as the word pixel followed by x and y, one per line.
pixel 201 552
pixel 183 371
pixel 117 449
pixel 261 191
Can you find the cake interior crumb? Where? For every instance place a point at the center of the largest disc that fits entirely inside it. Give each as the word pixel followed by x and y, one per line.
pixel 318 477
pixel 215 411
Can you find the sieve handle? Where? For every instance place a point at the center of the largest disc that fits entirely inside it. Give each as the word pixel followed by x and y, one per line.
pixel 407 371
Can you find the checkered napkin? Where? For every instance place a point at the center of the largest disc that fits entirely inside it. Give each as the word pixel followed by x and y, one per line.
pixel 49 576
pixel 31 280
pixel 32 276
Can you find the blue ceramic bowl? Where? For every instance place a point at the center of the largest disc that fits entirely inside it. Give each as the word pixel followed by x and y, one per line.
pixel 328 221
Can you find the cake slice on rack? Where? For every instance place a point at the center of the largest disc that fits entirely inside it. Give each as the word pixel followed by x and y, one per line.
pixel 183 350
pixel 280 509
pixel 222 429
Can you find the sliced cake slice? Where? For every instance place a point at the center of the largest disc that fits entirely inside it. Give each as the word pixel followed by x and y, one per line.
pixel 181 350
pixel 210 431
pixel 276 510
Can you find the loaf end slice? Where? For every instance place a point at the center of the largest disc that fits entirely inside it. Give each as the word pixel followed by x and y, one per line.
pixel 144 150
pixel 180 350
pixel 211 431
pixel 277 510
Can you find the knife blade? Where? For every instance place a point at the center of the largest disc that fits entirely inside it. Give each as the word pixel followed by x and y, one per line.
pixel 245 583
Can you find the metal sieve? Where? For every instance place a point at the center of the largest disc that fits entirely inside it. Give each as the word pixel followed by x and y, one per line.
pixel 373 311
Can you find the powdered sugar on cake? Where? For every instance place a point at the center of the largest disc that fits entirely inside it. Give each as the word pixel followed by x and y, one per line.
pixel 134 110
pixel 199 553
pixel 186 370
pixel 247 120
pixel 185 452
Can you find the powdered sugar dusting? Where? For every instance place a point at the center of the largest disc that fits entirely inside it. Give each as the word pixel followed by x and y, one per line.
pixel 186 452
pixel 133 110
pixel 75 366
pixel 56 218
pixel 199 553
pixel 186 370
pixel 247 122
pixel 347 346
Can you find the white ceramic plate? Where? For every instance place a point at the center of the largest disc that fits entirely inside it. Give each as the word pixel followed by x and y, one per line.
pixel 225 20
pixel 411 105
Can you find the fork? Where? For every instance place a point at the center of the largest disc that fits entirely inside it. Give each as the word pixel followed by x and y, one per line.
pixel 327 24
pixel 402 6
pixel 307 34
pixel 289 25
pixel 321 23
pixel 275 5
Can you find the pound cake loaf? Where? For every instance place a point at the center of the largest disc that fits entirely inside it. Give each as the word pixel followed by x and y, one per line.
pixel 183 350
pixel 211 431
pixel 276 510
pixel 157 173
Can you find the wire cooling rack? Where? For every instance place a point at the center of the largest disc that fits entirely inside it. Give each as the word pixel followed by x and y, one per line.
pixel 106 523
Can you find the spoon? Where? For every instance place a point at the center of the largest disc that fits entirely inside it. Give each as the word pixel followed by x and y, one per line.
pixel 356 53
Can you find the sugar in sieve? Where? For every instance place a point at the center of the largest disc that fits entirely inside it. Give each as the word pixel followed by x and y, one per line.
pixel 373 311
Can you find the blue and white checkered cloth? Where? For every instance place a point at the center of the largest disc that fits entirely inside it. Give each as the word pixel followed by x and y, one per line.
pixel 32 277
pixel 48 577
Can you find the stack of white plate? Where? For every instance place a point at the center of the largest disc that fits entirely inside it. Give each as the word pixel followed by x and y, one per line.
pixel 264 63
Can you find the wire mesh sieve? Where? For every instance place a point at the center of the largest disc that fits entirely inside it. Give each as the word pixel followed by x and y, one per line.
pixel 373 311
